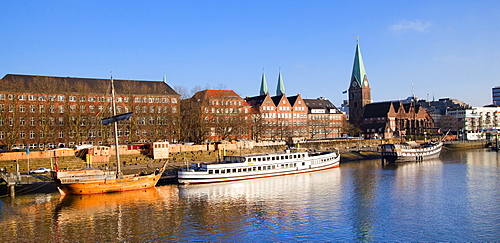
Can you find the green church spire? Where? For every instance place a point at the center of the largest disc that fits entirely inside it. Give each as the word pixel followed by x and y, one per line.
pixel 358 68
pixel 280 90
pixel 263 85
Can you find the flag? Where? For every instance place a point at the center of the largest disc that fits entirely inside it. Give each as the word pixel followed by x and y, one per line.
pixel 344 92
pixel 98 113
pixel 120 117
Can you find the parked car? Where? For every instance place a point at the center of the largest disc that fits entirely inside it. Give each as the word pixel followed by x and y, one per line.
pixel 39 171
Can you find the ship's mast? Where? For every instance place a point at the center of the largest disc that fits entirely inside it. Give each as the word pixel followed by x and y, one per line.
pixel 115 126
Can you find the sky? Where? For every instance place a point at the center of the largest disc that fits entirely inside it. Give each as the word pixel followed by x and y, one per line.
pixel 433 49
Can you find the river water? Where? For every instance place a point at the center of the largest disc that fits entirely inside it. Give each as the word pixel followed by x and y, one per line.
pixel 455 198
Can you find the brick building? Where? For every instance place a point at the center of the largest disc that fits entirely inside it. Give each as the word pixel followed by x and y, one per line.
pixel 324 119
pixel 215 115
pixel 47 112
pixel 395 120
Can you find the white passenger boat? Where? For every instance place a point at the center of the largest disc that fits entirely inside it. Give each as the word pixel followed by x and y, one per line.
pixel 411 151
pixel 244 167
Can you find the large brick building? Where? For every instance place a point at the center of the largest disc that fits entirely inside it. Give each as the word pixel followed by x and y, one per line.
pixel 215 115
pixel 46 111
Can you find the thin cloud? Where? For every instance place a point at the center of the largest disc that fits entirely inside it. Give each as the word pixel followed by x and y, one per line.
pixel 416 25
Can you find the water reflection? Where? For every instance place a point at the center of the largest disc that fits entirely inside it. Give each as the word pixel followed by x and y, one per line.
pixel 454 198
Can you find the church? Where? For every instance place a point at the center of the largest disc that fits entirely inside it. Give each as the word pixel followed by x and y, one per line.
pixel 391 119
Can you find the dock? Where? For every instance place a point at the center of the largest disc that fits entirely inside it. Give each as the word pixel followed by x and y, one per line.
pixel 27 183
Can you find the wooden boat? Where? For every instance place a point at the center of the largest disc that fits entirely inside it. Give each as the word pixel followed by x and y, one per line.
pixel 243 167
pixel 91 181
pixel 411 151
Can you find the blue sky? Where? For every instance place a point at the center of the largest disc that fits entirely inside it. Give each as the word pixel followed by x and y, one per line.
pixel 444 48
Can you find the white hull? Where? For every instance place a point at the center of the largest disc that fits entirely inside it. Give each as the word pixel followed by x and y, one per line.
pixel 267 166
pixel 405 153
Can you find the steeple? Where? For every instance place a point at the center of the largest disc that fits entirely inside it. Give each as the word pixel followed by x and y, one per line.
pixel 263 85
pixel 358 68
pixel 359 89
pixel 280 90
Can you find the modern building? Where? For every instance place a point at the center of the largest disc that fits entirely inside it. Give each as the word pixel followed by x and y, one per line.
pixel 473 122
pixel 495 91
pixel 47 112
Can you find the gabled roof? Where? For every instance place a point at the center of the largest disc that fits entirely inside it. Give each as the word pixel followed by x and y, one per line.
pixel 256 100
pixel 293 99
pixel 70 85
pixel 277 99
pixel 378 109
pixel 381 109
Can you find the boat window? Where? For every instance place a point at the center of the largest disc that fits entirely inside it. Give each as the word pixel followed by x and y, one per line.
pixel 259 159
pixel 268 167
pixel 234 170
pixel 223 171
pixel 244 169
pixel 303 163
pixel 210 171
pixel 259 168
pixel 239 169
pixel 216 171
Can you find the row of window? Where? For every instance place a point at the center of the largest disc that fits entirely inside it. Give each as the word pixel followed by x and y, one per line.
pixel 253 168
pixel 91 109
pixel 51 121
pixel 91 133
pixel 85 98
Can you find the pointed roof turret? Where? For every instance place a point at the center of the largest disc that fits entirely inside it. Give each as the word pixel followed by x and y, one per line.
pixel 358 68
pixel 263 85
pixel 280 90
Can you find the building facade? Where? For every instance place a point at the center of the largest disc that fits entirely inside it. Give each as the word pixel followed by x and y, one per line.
pixel 47 112
pixel 473 122
pixel 396 120
pixel 324 119
pixel 216 115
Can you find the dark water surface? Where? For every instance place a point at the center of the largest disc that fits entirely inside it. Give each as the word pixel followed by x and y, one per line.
pixel 455 198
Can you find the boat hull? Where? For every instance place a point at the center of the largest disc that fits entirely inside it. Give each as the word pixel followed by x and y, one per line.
pixel 300 166
pixel 395 153
pixel 107 185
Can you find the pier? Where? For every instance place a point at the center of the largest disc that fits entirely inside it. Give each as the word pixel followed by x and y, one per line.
pixel 27 183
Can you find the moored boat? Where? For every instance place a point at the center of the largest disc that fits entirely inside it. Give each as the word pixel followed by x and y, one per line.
pixel 410 151
pixel 244 167
pixel 92 181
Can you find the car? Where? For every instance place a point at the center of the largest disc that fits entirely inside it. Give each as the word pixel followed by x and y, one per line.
pixel 39 171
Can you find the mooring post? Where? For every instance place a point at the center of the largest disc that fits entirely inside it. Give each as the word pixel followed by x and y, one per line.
pixel 12 190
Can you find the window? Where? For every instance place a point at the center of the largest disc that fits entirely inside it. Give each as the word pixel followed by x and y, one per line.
pixel 174 100
pixel 60 98
pixel 91 99
pixel 32 108
pixel 71 98
pixel 82 99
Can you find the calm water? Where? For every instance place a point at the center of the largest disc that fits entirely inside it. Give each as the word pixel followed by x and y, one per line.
pixel 455 198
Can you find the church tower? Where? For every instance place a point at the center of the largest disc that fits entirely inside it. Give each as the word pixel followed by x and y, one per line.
pixel 263 85
pixel 280 90
pixel 359 89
